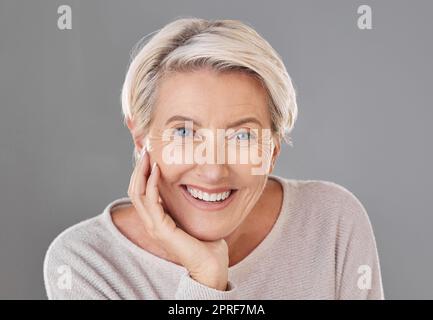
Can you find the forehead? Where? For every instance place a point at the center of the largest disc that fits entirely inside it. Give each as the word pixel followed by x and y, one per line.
pixel 207 93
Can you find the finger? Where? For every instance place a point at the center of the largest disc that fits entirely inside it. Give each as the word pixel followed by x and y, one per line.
pixel 132 181
pixel 152 192
pixel 138 187
pixel 162 222
pixel 142 173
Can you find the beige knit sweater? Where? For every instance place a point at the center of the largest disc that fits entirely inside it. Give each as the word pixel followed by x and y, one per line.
pixel 322 246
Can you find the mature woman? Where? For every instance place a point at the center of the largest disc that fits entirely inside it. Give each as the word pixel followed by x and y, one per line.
pixel 208 104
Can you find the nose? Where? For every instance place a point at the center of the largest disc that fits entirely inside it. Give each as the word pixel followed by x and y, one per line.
pixel 212 173
pixel 216 169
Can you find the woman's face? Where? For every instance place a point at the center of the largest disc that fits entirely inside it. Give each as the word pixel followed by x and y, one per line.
pixel 211 101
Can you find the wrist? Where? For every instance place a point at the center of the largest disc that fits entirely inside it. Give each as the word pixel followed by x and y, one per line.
pixel 217 281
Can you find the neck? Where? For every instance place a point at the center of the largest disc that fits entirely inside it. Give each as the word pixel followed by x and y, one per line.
pixel 257 224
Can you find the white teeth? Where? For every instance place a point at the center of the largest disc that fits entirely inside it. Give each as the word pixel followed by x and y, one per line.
pixel 208 197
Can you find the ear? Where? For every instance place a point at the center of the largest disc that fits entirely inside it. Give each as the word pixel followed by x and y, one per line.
pixel 275 154
pixel 136 135
pixel 129 123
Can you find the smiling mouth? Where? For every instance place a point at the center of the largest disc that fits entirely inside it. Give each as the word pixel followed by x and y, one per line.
pixel 208 199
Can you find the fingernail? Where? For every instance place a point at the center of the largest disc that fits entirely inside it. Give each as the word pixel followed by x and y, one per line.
pixel 143 151
pixel 153 166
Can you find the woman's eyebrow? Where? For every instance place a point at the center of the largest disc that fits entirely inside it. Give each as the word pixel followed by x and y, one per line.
pixel 245 120
pixel 232 124
pixel 181 118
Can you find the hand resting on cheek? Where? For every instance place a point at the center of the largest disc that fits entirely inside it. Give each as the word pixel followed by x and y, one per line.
pixel 206 261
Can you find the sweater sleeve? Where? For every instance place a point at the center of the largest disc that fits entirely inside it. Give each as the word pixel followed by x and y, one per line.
pixel 358 275
pixel 74 269
pixel 190 289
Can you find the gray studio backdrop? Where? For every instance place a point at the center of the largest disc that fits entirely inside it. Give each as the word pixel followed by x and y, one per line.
pixel 365 99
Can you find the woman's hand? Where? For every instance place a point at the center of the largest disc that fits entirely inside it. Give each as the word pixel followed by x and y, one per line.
pixel 206 261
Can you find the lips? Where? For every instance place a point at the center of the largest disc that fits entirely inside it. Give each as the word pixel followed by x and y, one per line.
pixel 208 199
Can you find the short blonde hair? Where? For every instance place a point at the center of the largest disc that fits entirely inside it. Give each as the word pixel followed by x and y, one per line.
pixel 187 44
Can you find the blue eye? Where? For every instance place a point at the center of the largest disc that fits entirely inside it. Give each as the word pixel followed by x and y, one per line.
pixel 182 132
pixel 244 135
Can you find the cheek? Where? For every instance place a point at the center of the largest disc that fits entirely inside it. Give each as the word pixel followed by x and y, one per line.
pixel 256 186
pixel 170 177
pixel 169 174
pixel 251 186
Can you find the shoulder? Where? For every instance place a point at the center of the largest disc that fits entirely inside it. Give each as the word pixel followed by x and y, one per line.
pixel 76 250
pixel 93 235
pixel 331 219
pixel 336 213
pixel 85 234
pixel 330 193
pixel 323 204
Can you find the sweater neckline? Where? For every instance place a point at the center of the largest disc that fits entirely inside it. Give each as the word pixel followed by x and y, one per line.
pixel 253 256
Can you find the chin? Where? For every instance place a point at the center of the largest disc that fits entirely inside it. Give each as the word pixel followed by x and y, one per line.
pixel 206 233
pixel 207 237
